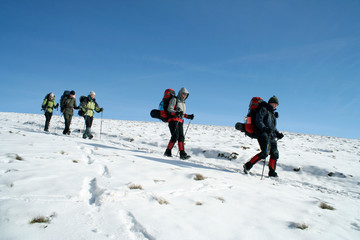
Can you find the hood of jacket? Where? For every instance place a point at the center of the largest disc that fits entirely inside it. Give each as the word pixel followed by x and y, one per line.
pixel 181 92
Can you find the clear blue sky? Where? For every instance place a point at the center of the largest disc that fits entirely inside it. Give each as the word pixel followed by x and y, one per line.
pixel 306 52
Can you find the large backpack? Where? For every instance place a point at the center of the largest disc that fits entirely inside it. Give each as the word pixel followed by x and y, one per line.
pixel 82 105
pixel 43 107
pixel 249 126
pixel 63 98
pixel 162 113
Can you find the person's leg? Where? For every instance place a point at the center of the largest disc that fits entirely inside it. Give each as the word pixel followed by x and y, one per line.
pixel 174 137
pixel 263 143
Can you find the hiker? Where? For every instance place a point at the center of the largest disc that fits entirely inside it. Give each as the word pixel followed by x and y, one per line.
pixel 48 105
pixel 266 134
pixel 69 104
pixel 177 110
pixel 89 105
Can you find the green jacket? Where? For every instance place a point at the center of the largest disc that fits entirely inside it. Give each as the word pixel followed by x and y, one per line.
pixel 89 105
pixel 70 105
pixel 48 105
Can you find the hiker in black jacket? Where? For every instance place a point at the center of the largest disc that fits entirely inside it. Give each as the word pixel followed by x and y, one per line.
pixel 266 134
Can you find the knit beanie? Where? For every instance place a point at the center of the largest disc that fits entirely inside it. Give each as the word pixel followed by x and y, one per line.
pixel 274 99
pixel 72 92
pixel 92 93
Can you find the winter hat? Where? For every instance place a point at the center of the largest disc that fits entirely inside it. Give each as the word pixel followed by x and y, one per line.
pixel 92 93
pixel 72 92
pixel 274 99
pixel 51 95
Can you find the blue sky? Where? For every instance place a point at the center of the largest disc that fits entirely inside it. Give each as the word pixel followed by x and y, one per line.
pixel 307 53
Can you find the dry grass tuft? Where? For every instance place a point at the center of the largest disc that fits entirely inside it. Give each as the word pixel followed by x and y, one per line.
pixel 40 219
pixel 326 206
pixel 199 177
pixel 220 199
pixel 301 226
pixel 198 203
pixel 134 186
pixel 17 157
pixel 161 200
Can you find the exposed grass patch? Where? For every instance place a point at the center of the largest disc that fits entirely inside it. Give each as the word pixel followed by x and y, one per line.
pixel 326 206
pixel 161 200
pixel 301 226
pixel 198 203
pixel 135 186
pixel 231 156
pixel 131 139
pixel 199 177
pixel 40 219
pixel 17 157
pixel 220 199
pixel 75 161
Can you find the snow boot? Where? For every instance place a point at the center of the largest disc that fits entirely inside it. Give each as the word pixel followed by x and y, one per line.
pixel 272 167
pixel 247 167
pixel 272 173
pixel 184 156
pixel 168 153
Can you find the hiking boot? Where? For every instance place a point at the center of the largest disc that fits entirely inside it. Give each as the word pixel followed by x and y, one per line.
pixel 247 167
pixel 272 173
pixel 91 137
pixel 184 156
pixel 84 136
pixel 46 130
pixel 168 153
pixel 68 133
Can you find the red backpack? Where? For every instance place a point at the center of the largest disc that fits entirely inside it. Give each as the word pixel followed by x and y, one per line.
pixel 249 126
pixel 162 112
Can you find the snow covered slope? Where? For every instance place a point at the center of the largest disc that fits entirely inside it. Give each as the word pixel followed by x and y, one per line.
pixel 121 187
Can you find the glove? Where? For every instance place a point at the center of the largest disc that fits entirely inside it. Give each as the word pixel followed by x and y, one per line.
pixel 101 109
pixel 179 114
pixel 279 135
pixel 57 105
pixel 190 116
pixel 276 114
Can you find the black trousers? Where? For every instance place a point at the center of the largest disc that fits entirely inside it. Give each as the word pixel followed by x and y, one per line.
pixel 67 118
pixel 177 131
pixel 268 146
pixel 88 124
pixel 48 116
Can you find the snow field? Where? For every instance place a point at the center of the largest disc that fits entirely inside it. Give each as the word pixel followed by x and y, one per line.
pixel 83 186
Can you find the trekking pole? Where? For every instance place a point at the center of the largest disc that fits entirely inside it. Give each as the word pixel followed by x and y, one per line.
pixel 187 128
pixel 101 124
pixel 267 150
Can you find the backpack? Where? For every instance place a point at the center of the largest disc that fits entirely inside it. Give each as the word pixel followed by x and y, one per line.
pixel 65 96
pixel 162 113
pixel 81 111
pixel 43 107
pixel 249 126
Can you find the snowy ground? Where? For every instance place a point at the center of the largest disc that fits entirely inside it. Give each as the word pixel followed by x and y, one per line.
pixel 82 188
